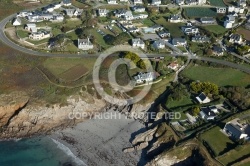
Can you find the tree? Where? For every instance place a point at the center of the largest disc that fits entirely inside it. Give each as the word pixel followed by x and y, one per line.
pixel 195 111
pixel 132 56
pixel 109 39
pixel 121 38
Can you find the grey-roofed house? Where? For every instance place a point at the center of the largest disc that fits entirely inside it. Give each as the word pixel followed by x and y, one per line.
pixel 175 18
pixel 85 44
pixel 235 130
pixel 236 39
pixel 191 2
pixel 208 20
pixel 138 9
pixel 217 50
pixel 164 34
pixel 207 113
pixel 31 27
pixel 156 2
pixel 180 2
pixel 138 43
pixel 159 44
pixel 66 3
pixel 200 39
pixel 202 98
pixel 179 42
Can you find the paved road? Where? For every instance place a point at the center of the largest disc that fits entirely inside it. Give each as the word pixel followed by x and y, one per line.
pixel 13 45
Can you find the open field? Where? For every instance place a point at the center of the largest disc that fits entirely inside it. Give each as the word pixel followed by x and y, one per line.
pixel 216 29
pixel 219 76
pixel 217 3
pixel 174 28
pixel 217 140
pixel 74 73
pixel 37 42
pixel 234 154
pixel 197 12
pixel 184 101
pixel 148 22
pixel 57 66
pixel 244 32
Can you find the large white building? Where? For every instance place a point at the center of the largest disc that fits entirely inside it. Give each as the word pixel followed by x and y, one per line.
pixel 145 77
pixel 85 44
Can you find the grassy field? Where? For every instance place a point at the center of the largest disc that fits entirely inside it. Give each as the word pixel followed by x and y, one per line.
pixel 234 154
pixel 99 38
pixel 217 3
pixel 184 101
pixel 244 32
pixel 216 29
pixel 57 66
pixel 7 7
pixel 197 12
pixel 73 23
pixel 174 28
pixel 148 22
pixel 217 140
pixel 37 42
pixel 74 73
pixel 219 76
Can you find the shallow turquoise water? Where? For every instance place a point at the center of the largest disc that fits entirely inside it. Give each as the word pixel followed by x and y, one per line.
pixel 36 152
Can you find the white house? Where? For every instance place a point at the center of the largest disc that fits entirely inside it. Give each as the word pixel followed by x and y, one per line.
pixel 236 130
pixel 102 12
pixel 175 18
pixel 200 39
pixel 190 30
pixel 31 27
pixel 138 43
pixel 74 12
pixel 17 21
pixel 128 15
pixel 180 2
pixel 218 51
pixel 221 9
pixel 145 77
pixel 179 42
pixel 85 44
pixel 156 2
pixel 24 14
pixel 191 2
pixel 139 9
pixel 112 2
pixel 228 24
pixel 138 2
pixel 207 113
pixel 140 16
pixel 66 3
pixel 242 3
pixel 159 44
pixel 202 2
pixel 39 35
pixel 208 20
pixel 236 39
pixel 202 98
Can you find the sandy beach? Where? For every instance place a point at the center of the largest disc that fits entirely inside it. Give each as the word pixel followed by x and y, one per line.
pixel 99 142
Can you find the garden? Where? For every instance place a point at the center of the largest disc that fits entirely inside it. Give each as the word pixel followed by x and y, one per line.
pixel 198 12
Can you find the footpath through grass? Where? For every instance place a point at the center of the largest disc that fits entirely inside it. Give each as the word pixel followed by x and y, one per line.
pixel 219 76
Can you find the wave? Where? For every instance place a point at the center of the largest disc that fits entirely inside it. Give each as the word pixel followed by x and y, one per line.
pixel 66 150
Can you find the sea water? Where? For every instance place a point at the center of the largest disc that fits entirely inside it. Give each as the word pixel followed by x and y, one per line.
pixel 39 151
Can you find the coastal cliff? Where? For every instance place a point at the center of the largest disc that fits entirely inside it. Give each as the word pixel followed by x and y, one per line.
pixel 19 118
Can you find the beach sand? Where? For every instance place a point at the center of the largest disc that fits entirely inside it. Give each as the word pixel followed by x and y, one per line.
pixel 99 142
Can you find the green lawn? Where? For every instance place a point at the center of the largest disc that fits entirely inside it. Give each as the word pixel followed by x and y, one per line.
pixel 217 140
pixel 148 22
pixel 73 23
pixel 37 42
pixel 197 12
pixel 217 3
pixel 197 48
pixel 174 28
pixel 22 33
pixel 184 101
pixel 216 29
pixel 219 76
pixel 182 49
pixel 234 154
pixel 99 38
